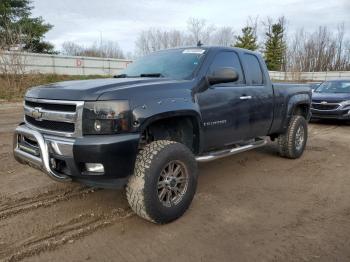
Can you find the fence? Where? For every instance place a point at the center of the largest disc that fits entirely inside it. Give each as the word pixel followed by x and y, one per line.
pixel 309 76
pixel 76 65
pixel 62 65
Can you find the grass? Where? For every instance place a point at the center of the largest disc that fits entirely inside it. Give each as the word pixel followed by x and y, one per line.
pixel 13 87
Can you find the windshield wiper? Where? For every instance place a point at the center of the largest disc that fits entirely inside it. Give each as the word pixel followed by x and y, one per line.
pixel 141 75
pixel 120 76
pixel 152 75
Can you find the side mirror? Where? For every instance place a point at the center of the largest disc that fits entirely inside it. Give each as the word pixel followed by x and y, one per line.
pixel 223 75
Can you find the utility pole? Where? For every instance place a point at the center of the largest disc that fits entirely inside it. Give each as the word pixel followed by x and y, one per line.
pixel 101 43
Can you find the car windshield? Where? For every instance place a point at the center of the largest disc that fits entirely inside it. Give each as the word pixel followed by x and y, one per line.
pixel 176 64
pixel 334 87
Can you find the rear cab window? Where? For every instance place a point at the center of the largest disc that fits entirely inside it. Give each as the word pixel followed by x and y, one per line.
pixel 254 72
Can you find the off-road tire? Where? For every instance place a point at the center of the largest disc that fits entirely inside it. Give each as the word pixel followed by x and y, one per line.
pixel 142 189
pixel 287 142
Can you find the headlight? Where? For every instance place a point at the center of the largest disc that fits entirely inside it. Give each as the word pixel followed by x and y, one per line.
pixel 345 103
pixel 106 117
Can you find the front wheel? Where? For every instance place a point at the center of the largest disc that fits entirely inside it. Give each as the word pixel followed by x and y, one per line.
pixel 164 181
pixel 292 143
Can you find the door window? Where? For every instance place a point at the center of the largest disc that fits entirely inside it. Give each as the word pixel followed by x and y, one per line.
pixel 228 59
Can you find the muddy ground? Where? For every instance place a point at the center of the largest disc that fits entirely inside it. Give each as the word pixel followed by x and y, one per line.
pixel 254 206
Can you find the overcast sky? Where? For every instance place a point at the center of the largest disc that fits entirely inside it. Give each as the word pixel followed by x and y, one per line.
pixel 83 21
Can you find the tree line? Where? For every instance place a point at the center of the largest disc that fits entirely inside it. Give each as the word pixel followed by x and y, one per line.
pixel 320 50
pixel 108 49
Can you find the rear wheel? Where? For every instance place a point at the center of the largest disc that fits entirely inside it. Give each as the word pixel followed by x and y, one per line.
pixel 164 181
pixel 292 143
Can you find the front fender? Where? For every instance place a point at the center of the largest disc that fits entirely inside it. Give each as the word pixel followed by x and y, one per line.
pixel 155 110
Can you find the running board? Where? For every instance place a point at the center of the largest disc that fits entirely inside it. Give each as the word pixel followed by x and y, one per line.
pixel 228 152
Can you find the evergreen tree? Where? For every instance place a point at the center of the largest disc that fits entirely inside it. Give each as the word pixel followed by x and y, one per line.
pixel 248 39
pixel 19 29
pixel 275 46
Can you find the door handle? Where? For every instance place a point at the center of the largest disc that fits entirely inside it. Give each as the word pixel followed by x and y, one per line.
pixel 245 97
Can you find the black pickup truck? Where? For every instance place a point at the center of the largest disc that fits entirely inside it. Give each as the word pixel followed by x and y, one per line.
pixel 147 128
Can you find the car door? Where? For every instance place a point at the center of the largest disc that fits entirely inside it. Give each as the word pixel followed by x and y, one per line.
pixel 224 114
pixel 259 96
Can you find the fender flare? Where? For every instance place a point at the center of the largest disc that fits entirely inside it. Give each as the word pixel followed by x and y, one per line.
pixel 164 115
pixel 294 102
pixel 157 110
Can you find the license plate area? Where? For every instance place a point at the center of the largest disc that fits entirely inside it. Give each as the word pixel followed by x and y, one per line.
pixel 28 144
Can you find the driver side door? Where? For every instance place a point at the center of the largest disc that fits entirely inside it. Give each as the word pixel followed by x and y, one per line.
pixel 225 115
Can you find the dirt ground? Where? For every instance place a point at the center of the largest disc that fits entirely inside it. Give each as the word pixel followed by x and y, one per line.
pixel 253 206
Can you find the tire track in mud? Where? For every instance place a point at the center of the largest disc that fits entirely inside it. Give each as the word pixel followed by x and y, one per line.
pixel 319 131
pixel 10 207
pixel 61 234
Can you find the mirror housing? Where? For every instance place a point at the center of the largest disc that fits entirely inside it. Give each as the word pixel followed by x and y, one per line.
pixel 223 75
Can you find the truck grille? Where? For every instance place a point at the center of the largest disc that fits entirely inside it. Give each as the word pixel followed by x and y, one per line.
pixel 329 106
pixel 54 107
pixel 329 102
pixel 51 125
pixel 54 116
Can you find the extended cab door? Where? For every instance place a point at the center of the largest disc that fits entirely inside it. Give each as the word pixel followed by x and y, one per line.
pixel 258 94
pixel 225 116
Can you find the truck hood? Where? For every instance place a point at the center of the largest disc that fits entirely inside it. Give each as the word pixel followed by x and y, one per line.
pixel 330 97
pixel 90 90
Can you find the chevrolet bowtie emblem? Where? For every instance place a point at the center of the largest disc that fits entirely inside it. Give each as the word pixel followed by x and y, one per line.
pixel 36 113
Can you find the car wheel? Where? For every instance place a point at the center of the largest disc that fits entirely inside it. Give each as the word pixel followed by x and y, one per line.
pixel 164 181
pixel 292 143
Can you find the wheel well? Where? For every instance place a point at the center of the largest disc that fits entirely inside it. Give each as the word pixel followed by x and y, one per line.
pixel 301 110
pixel 182 129
pixel 298 110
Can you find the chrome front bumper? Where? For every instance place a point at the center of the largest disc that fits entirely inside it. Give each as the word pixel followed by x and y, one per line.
pixel 31 147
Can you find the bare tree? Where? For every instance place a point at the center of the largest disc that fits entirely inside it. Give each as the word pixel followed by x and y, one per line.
pixel 107 49
pixel 71 48
pixel 142 44
pixel 318 51
pixel 199 31
pixel 12 63
pixel 342 49
pixel 195 27
pixel 176 38
pixel 155 39
pixel 224 36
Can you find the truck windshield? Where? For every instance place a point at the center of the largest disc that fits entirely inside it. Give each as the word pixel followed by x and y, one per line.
pixel 176 64
pixel 334 87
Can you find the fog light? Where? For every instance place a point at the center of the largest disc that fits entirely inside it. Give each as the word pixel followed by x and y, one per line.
pixel 97 126
pixel 53 163
pixel 95 167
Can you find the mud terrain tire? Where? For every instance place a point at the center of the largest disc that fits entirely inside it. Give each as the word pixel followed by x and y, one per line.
pixel 148 183
pixel 292 143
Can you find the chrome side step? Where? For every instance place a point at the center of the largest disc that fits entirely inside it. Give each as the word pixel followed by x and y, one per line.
pixel 232 151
